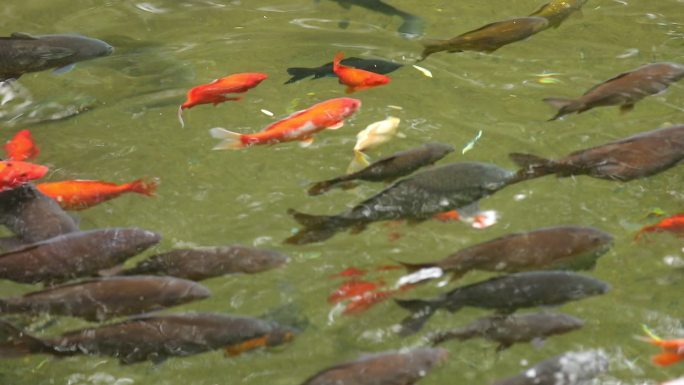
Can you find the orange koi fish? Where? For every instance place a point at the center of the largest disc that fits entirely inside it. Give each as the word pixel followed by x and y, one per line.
pixel 352 289
pixel 14 173
pixel 21 147
pixel 370 299
pixel 301 125
pixel 672 224
pixel 673 350
pixel 217 91
pixel 82 194
pixel 356 79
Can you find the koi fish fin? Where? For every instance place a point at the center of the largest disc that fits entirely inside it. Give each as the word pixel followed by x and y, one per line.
pixel 350 90
pixel 306 142
pixel 309 220
pixel 625 108
pixel 226 99
pixel 20 344
pixel 412 267
pixel 532 166
pixel 359 162
pixel 565 106
pixel 144 186
pixel 459 334
pixel 311 235
pixel 230 140
pixel 63 70
pixel 237 349
pixel 180 116
pixel 336 126
pixel 322 187
pixel 299 73
pixel 112 271
pixel 432 46
pixel 421 311
pixel 667 358
pixel 336 62
pixel 317 228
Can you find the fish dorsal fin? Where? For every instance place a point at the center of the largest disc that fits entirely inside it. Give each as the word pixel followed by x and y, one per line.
pixel 23 36
pixel 608 81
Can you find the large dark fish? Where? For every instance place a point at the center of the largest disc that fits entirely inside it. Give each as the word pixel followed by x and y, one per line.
pixel 377 66
pixel 103 298
pixel 391 167
pixel 415 198
pixel 623 90
pixel 556 11
pixel 32 215
pixel 153 338
pixel 490 37
pixel 561 247
pixel 207 262
pixel 21 53
pixel 510 329
pixel 638 156
pixel 571 368
pixel 74 255
pixel 411 27
pixel 386 368
pixel 505 294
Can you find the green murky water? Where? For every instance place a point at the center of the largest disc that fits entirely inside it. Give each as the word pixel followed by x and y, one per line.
pixel 212 198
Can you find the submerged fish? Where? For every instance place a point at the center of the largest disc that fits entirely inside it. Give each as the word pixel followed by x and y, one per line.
pixel 22 53
pixel 152 337
pixel 490 37
pixel 377 66
pixel 671 224
pixel 556 11
pixel 391 167
pixel 638 156
pixel 207 262
pixel 74 255
pixel 411 27
pixel 416 198
pixel 386 368
pixel 561 247
pixel 103 298
pixel 21 147
pixel 571 368
pixel 82 194
pixel 356 79
pixel 14 173
pixel 510 329
pixel 623 90
pixel 505 294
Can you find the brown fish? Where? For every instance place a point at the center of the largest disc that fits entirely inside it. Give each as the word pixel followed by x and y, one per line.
pixel 556 11
pixel 638 156
pixel 571 368
pixel 508 330
pixel 74 255
pixel 490 37
pixel 624 90
pixel 150 337
pixel 390 168
pixel 207 262
pixel 561 247
pixel 386 368
pixel 103 298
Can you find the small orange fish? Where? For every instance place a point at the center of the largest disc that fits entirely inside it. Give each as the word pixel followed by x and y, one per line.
pixel 370 299
pixel 447 216
pixel 352 289
pixel 14 173
pixel 356 79
pixel 217 91
pixel 673 350
pixel 82 194
pixel 672 224
pixel 21 147
pixel 301 125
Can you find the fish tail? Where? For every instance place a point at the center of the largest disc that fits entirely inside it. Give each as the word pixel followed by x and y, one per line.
pixel 180 116
pixel 532 166
pixel 459 334
pixel 359 161
pixel 299 73
pixel 317 228
pixel 667 358
pixel 412 267
pixel 565 106
pixel 230 140
pixel 19 343
pixel 421 311
pixel 322 187
pixel 430 47
pixel 336 61
pixel 144 186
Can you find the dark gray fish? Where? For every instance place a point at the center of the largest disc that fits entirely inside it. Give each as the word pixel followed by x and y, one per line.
pixel 510 329
pixel 505 294
pixel 104 298
pixel 377 66
pixel 415 198
pixel 10 243
pixel 556 11
pixel 153 338
pixel 571 368
pixel 638 156
pixel 59 108
pixel 624 90
pixel 32 215
pixel 490 37
pixel 561 247
pixel 386 368
pixel 207 262
pixel 22 53
pixel 391 167
pixel 74 255
pixel 412 26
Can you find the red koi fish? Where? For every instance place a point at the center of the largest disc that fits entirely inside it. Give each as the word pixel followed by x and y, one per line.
pixel 356 79
pixel 352 289
pixel 217 91
pixel 14 173
pixel 82 194
pixel 301 125
pixel 21 147
pixel 370 299
pixel 672 224
pixel 673 350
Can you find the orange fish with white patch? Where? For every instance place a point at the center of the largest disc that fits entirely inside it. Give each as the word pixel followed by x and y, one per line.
pixel 14 173
pixel 356 79
pixel 672 224
pixel 21 147
pixel 82 194
pixel 301 125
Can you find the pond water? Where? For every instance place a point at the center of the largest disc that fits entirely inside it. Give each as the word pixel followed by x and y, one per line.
pixel 165 47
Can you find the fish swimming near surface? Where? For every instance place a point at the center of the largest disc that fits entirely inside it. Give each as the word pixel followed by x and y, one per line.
pixel 505 294
pixel 560 247
pixel 300 126
pixel 571 368
pixel 74 255
pixel 510 329
pixel 83 194
pixel 386 368
pixel 152 337
pixel 14 173
pixel 415 198
pixel 377 66
pixel 623 90
pixel 207 262
pixel 637 156
pixel 103 298
pixel 391 167
pixel 556 11
pixel 490 37
pixel 22 53
pixel 356 79
pixel 412 26
pixel 671 224
pixel 21 147
pixel 372 137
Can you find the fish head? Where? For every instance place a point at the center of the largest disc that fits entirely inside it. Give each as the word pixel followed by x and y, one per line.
pixel 197 291
pixel 564 323
pixel 439 150
pixel 84 47
pixel 14 173
pixel 280 335
pixel 252 260
pixel 347 106
pixel 135 238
